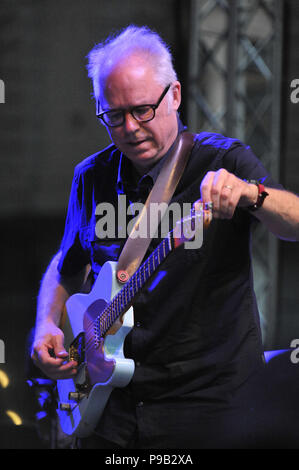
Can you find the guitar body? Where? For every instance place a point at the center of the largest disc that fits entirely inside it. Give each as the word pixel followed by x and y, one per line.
pixel 102 365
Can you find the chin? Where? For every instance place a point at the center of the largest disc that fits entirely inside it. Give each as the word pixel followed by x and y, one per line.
pixel 145 160
pixel 143 156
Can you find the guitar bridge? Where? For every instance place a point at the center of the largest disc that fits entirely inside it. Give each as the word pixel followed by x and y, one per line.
pixel 77 349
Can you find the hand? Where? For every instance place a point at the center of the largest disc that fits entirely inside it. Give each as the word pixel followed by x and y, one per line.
pixel 49 354
pixel 226 191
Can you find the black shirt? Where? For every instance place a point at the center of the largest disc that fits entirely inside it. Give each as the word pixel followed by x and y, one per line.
pixel 196 339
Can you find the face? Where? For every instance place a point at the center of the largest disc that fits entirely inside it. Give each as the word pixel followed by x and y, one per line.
pixel 133 83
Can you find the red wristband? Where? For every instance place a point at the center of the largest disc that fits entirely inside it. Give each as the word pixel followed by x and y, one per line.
pixel 262 194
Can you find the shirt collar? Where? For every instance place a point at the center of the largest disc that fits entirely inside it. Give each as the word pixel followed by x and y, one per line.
pixel 125 169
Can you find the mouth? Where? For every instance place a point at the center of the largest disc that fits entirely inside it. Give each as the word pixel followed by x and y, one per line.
pixel 137 143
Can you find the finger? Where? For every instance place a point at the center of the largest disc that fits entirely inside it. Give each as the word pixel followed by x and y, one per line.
pixel 53 366
pixel 43 358
pixel 233 202
pixel 56 369
pixel 206 185
pixel 227 201
pixel 58 346
pixel 222 193
pixel 212 190
pixel 229 197
pixel 66 370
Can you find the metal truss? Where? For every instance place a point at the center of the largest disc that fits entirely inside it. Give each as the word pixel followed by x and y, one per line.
pixel 234 82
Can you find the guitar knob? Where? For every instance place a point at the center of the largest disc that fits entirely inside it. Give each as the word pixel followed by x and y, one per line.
pixel 76 396
pixel 65 407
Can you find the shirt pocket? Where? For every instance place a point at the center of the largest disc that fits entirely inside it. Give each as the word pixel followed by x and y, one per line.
pixel 102 250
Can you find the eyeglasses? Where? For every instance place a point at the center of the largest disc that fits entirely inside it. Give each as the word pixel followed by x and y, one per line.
pixel 142 113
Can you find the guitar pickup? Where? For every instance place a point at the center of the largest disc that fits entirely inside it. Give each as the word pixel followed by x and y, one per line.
pixel 77 349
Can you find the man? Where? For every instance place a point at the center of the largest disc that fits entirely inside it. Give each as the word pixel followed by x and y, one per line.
pixel 196 342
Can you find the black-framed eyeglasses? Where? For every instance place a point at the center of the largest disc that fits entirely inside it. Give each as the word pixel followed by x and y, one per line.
pixel 142 113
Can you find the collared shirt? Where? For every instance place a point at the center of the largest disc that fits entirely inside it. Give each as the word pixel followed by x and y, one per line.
pixel 196 338
pixel 127 175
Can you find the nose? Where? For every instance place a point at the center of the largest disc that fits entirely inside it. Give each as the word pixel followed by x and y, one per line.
pixel 130 124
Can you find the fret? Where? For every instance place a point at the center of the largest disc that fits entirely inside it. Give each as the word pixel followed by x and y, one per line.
pixel 114 309
pixel 146 273
pixel 142 277
pixel 99 327
pixel 150 270
pixel 153 258
pixel 129 292
pixel 122 299
pixel 118 300
pixel 135 282
pixel 102 324
pixel 132 282
pixel 158 255
pixel 169 242
pixel 161 251
pixel 153 262
pixel 164 252
pixel 138 280
pixel 125 295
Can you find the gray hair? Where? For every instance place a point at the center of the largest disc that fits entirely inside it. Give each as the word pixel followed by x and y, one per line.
pixel 133 39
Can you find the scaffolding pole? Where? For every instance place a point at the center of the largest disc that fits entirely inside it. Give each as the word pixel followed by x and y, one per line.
pixel 234 81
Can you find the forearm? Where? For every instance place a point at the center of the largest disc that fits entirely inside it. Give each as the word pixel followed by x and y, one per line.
pixel 280 214
pixel 54 292
pixel 52 296
pixel 48 350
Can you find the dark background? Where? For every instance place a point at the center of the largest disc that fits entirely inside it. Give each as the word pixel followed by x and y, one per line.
pixel 47 125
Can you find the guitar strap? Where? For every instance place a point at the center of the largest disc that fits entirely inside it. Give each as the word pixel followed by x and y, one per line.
pixel 136 246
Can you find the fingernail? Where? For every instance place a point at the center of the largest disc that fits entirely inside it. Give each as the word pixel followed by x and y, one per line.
pixel 62 353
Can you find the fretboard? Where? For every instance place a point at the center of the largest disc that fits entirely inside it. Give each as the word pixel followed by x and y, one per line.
pixel 124 298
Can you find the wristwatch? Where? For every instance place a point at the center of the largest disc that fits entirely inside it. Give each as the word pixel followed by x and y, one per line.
pixel 262 194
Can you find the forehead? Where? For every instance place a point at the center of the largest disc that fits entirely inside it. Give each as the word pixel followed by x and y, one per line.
pixel 131 81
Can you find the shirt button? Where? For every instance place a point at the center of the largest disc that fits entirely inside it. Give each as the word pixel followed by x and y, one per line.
pixel 138 324
pixel 138 364
pixel 140 404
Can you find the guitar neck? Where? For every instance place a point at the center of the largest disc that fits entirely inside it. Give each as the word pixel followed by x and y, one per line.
pixel 124 298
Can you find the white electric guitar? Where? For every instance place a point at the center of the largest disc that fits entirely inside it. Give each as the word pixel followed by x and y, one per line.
pixel 95 326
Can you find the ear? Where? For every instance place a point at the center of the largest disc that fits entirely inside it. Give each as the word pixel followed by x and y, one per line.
pixel 176 90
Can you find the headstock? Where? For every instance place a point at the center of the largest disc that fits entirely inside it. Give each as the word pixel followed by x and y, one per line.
pixel 190 229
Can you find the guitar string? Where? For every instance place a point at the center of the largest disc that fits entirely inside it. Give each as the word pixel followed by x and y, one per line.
pixel 113 310
pixel 123 298
pixel 126 294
